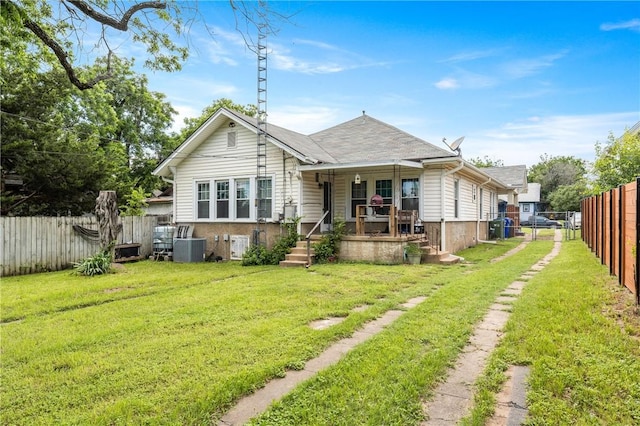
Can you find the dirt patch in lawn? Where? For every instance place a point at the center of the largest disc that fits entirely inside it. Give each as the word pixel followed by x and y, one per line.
pixel 624 310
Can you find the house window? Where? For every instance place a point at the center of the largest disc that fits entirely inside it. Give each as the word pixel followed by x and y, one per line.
pixel 526 208
pixel 243 208
pixel 384 188
pixel 203 198
pixel 456 198
pixel 358 195
pixel 231 139
pixel 474 193
pixel 265 198
pixel 481 203
pixel 222 199
pixel 410 194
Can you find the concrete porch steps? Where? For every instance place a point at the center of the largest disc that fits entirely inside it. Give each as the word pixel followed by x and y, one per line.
pixel 431 255
pixel 298 256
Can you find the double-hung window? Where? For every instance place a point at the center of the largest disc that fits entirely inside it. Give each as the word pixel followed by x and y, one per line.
pixel 358 195
pixel 222 199
pixel 204 198
pixel 243 200
pixel 384 188
pixel 411 194
pixel 264 197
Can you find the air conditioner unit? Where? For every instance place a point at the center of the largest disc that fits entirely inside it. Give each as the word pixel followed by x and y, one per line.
pixel 189 249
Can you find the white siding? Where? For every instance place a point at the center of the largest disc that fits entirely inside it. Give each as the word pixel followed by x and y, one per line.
pixel 214 160
pixel 431 199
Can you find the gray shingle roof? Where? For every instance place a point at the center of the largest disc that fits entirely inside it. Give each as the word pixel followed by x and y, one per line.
pixel 366 139
pixel 514 176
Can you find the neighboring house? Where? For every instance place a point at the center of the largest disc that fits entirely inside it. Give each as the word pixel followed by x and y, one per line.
pixel 161 205
pixel 529 201
pixel 516 179
pixel 215 187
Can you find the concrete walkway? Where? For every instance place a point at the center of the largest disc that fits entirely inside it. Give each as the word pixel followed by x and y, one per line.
pixel 254 404
pixel 453 398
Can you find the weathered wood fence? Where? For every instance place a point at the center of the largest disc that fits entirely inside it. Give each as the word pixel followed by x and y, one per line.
pixel 610 223
pixel 38 244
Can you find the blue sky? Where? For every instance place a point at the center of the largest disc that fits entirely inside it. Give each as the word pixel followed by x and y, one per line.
pixel 517 79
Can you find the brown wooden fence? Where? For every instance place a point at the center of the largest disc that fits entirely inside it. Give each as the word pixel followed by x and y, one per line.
pixel 38 244
pixel 610 223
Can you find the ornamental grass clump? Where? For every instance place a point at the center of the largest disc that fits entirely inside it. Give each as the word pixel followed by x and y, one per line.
pixel 98 264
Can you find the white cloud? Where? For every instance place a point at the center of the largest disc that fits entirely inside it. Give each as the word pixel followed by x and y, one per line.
pixel 632 24
pixel 525 67
pixel 524 141
pixel 470 56
pixel 447 83
pixel 304 119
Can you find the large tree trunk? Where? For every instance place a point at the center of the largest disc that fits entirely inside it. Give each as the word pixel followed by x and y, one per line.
pixel 109 225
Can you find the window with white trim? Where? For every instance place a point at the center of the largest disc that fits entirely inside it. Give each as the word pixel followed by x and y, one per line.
pixel 204 200
pixel 243 194
pixel 481 203
pixel 384 188
pixel 358 195
pixel 410 194
pixel 456 198
pixel 264 197
pixel 222 199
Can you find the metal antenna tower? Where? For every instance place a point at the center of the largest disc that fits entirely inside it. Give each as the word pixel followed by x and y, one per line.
pixel 263 189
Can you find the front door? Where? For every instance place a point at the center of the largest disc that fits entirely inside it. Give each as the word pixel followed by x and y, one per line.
pixel 326 206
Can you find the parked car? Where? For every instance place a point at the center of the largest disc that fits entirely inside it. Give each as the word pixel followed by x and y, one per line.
pixel 540 222
pixel 574 221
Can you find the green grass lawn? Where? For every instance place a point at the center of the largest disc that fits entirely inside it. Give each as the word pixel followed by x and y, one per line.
pixel 577 329
pixel 166 343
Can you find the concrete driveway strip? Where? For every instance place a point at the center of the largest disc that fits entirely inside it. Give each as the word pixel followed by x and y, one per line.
pixel 254 404
pixel 453 398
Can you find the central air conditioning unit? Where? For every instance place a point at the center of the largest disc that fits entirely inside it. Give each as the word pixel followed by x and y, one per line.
pixel 189 249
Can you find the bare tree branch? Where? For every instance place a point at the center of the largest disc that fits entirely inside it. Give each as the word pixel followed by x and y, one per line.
pixel 63 57
pixel 123 23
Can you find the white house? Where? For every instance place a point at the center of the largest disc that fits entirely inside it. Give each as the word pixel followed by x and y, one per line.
pixel 529 201
pixel 333 171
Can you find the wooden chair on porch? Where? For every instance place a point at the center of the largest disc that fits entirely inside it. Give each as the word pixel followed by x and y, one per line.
pixel 407 221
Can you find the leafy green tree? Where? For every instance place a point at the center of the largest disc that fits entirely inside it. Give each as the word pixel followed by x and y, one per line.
pixel 192 124
pixel 50 26
pixel 486 162
pixel 61 170
pixel 617 162
pixel 567 197
pixel 553 172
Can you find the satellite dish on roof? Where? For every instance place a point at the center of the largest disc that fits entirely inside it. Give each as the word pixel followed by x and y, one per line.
pixel 455 146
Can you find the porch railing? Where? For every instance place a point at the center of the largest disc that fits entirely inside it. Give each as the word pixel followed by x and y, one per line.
pixel 308 237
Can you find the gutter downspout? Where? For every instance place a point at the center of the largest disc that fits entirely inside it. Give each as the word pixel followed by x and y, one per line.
pixel 174 206
pixel 443 227
pixel 478 212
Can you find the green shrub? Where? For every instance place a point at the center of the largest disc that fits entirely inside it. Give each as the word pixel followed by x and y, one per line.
pixel 259 255
pixel 328 248
pixel 98 264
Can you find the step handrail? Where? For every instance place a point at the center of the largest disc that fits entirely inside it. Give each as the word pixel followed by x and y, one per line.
pixel 308 237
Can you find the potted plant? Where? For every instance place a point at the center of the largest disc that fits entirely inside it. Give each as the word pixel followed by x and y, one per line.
pixel 413 253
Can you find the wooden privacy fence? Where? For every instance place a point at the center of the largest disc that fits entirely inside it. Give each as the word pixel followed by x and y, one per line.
pixel 38 244
pixel 610 223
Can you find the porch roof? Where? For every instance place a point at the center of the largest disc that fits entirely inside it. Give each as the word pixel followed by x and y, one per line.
pixel 362 165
